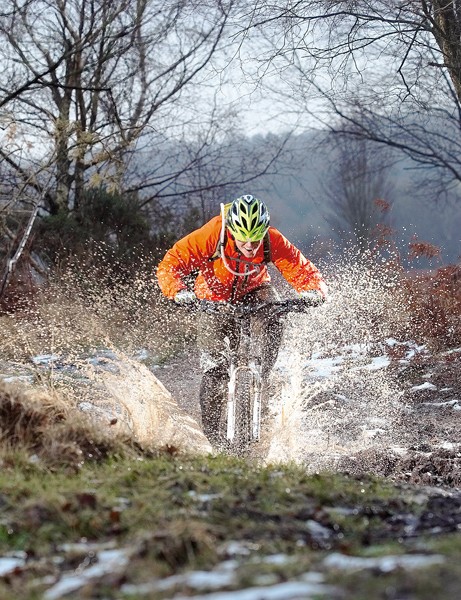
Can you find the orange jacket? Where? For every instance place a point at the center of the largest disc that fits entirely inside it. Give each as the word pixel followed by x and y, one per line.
pixel 215 282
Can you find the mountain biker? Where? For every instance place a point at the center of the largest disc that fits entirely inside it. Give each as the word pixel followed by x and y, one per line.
pixel 230 253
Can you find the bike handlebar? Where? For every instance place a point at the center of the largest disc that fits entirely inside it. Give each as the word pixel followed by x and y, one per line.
pixel 241 309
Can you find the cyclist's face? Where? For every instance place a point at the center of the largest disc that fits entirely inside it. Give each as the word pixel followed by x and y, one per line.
pixel 248 249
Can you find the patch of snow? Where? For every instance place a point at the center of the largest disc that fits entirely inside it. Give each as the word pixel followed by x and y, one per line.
pixel 453 403
pixel 10 563
pixel 290 590
pixel 385 564
pixel 24 378
pixel 341 510
pixel 313 577
pixel 379 362
pixel 240 548
pixel 197 580
pixel 85 547
pixel 202 497
pixel 277 559
pixel 324 368
pixel 44 359
pixel 222 575
pixel 424 386
pixel 318 531
pixel 141 354
pixel 371 433
pixel 399 450
pixel 413 347
pixel 447 446
pixel 109 561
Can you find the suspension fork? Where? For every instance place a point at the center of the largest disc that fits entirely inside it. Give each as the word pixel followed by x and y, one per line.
pixel 256 412
pixel 246 358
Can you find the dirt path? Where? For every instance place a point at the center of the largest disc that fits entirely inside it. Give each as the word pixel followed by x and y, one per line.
pixel 429 424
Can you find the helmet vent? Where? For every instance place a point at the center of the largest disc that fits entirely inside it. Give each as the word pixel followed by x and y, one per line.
pixel 248 219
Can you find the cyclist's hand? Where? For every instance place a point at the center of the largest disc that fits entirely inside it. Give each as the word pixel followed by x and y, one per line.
pixel 312 297
pixel 185 297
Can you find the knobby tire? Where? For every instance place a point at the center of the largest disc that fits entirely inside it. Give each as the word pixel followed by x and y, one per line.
pixel 243 412
pixel 240 445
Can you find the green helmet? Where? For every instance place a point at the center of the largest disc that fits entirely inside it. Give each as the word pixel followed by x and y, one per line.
pixel 248 219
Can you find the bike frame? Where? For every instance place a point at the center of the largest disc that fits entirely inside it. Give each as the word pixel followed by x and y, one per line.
pixel 246 360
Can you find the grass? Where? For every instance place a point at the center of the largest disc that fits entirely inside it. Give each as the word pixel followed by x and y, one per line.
pixel 67 491
pixel 178 513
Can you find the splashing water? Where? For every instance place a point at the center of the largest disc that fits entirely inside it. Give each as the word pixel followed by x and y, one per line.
pixel 98 347
pixel 337 396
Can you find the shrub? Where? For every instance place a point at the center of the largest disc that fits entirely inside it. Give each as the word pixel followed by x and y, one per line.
pixel 103 219
pixel 434 299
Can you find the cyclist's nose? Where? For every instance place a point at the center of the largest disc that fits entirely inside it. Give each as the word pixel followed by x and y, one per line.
pixel 248 247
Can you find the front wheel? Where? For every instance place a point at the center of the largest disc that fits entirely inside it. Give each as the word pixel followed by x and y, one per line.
pixel 238 413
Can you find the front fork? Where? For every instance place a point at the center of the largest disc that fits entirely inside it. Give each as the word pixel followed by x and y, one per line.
pixel 255 370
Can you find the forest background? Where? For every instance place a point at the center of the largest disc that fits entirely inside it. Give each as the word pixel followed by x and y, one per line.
pixel 124 125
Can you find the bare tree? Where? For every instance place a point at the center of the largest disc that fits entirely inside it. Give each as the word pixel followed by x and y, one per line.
pixel 210 160
pixel 83 80
pixel 358 192
pixel 401 61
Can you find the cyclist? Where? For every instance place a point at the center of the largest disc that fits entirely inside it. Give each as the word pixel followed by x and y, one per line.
pixel 230 253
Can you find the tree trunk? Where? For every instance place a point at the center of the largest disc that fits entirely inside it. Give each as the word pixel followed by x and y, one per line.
pixel 447 32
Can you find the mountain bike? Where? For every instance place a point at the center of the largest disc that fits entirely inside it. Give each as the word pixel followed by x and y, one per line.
pixel 242 414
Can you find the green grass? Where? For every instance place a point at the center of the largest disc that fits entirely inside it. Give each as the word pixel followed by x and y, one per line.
pixel 179 512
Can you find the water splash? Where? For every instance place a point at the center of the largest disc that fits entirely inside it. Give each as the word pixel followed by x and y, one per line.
pixel 337 395
pixel 334 391
pixel 98 347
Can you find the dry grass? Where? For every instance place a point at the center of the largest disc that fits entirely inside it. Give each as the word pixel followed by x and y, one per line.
pixel 434 301
pixel 75 313
pixel 42 427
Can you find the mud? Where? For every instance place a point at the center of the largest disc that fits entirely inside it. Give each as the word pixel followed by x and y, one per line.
pixel 426 424
pixel 430 425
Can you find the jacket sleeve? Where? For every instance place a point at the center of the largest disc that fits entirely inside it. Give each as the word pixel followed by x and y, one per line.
pixel 187 255
pixel 300 273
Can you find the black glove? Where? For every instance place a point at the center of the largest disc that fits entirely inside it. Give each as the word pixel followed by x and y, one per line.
pixel 312 297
